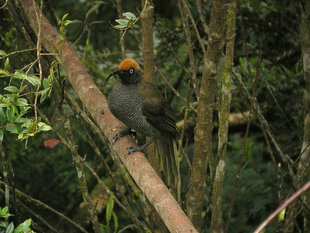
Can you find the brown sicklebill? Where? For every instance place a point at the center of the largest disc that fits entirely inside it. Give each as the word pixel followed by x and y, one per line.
pixel 141 107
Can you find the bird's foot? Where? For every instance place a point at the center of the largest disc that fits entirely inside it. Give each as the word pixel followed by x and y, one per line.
pixel 123 133
pixel 133 149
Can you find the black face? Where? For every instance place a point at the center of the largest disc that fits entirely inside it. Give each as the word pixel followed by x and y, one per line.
pixel 127 77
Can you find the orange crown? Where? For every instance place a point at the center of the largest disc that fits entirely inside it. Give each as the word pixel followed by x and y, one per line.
pixel 128 63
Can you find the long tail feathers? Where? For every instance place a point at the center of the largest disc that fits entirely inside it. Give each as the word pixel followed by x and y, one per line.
pixel 169 164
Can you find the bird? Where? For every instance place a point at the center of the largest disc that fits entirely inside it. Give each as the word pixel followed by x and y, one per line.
pixel 141 107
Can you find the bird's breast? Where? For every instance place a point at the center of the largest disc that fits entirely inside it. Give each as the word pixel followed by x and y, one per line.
pixel 125 102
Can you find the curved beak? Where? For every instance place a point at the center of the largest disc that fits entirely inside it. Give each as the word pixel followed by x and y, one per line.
pixel 114 73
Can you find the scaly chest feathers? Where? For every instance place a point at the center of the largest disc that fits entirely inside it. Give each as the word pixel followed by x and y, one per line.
pixel 125 102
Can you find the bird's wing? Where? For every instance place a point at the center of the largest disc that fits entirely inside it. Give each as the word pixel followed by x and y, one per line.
pixel 157 111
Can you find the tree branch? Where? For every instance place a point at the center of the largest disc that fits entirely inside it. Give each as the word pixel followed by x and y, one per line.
pixel 137 165
pixel 206 104
pixel 286 203
pixel 218 184
pixel 40 203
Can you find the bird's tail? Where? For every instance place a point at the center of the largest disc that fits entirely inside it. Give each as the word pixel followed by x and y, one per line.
pixel 169 164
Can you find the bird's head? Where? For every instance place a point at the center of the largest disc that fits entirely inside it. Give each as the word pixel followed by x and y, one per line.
pixel 128 72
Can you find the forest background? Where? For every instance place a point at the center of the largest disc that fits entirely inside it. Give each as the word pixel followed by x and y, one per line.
pixel 236 74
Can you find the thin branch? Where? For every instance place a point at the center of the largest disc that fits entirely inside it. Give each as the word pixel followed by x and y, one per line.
pixel 188 12
pixel 285 204
pixel 163 37
pixel 36 215
pixel 80 171
pixel 6 1
pixel 242 151
pixel 181 148
pixel 15 52
pixel 265 124
pixel 169 85
pixel 189 47
pixel 126 209
pixel 202 17
pixel 120 15
pixel 40 203
pixel 39 21
pixel 5 172
pixel 291 127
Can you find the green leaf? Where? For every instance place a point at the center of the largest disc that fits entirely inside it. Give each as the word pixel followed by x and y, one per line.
pixel 22 88
pixel 104 228
pixel 4 73
pixel 20 75
pixel 30 78
pixel 34 80
pixel 58 21
pixel 2 53
pixel 120 26
pixel 10 228
pixel 44 94
pixel 3 224
pixel 43 127
pixel 148 8
pixel 5 105
pixel 7 64
pixel 122 21
pixel 20 136
pixel 129 15
pixel 24 110
pixel 67 22
pixel 23 227
pixel 29 124
pixel 94 8
pixel 4 212
pixel 115 219
pixel 63 17
pixel 11 88
pixel 281 216
pixel 21 102
pixel 109 209
pixel 55 49
pixel 9 114
pixel 46 82
pixel 22 120
pixel 12 128
pixel 1 135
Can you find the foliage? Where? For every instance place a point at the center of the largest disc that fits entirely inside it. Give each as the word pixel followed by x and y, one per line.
pixel 130 19
pixel 266 45
pixel 109 213
pixel 6 227
pixel 14 106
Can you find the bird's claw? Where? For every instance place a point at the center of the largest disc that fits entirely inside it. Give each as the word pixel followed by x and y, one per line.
pixel 133 149
pixel 123 133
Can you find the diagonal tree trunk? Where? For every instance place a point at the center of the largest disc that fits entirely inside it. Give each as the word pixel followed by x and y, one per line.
pixel 137 165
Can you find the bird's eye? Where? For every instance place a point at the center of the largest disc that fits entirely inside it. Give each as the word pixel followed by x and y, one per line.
pixel 131 71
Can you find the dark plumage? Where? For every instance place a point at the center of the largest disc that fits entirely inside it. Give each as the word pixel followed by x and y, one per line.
pixel 141 106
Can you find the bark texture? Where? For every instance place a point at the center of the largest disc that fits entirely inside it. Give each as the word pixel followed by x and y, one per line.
pixel 137 165
pixel 216 219
pixel 147 21
pixel 204 126
pixel 147 43
pixel 303 170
